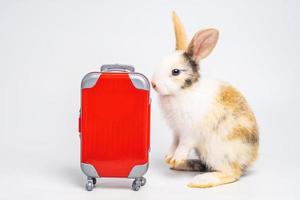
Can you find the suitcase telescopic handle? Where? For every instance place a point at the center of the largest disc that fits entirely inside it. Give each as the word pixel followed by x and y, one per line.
pixel 117 67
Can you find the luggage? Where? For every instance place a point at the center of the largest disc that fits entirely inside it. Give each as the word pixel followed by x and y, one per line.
pixel 114 125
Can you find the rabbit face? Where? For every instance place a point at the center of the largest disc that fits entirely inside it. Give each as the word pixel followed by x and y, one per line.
pixel 180 70
pixel 176 72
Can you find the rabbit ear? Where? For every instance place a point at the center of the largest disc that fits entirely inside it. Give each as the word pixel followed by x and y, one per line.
pixel 179 32
pixel 202 44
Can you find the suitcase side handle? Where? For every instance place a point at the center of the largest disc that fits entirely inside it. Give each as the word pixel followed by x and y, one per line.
pixel 117 67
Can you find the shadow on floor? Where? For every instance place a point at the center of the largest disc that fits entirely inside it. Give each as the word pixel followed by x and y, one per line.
pixel 75 176
pixel 161 167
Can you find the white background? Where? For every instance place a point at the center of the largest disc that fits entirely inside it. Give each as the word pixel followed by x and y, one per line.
pixel 46 47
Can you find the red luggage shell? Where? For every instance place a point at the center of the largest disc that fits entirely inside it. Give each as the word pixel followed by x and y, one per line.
pixel 115 125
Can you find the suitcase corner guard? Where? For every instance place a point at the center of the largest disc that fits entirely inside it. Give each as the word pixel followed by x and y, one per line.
pixel 139 81
pixel 90 79
pixel 138 170
pixel 89 170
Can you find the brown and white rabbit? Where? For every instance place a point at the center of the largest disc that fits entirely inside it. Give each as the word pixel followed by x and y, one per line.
pixel 209 116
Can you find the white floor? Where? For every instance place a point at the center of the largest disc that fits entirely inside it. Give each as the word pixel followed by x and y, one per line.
pixel 47 179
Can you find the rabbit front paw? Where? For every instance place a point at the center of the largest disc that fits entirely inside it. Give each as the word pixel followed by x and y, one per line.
pixel 178 160
pixel 168 158
pixel 177 163
pixel 180 155
pixel 173 162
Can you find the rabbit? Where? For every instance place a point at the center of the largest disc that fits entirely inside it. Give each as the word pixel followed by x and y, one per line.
pixel 209 116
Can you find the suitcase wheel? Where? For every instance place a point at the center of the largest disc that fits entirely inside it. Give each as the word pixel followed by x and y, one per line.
pixel 94 181
pixel 138 182
pixel 91 182
pixel 143 181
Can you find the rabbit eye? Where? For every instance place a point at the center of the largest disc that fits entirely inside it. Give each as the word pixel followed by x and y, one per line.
pixel 175 72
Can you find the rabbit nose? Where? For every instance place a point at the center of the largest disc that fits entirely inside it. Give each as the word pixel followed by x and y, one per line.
pixel 153 85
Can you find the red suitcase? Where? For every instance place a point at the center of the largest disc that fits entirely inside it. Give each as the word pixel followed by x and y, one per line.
pixel 114 125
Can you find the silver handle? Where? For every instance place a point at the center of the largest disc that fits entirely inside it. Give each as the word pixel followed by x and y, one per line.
pixel 117 67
